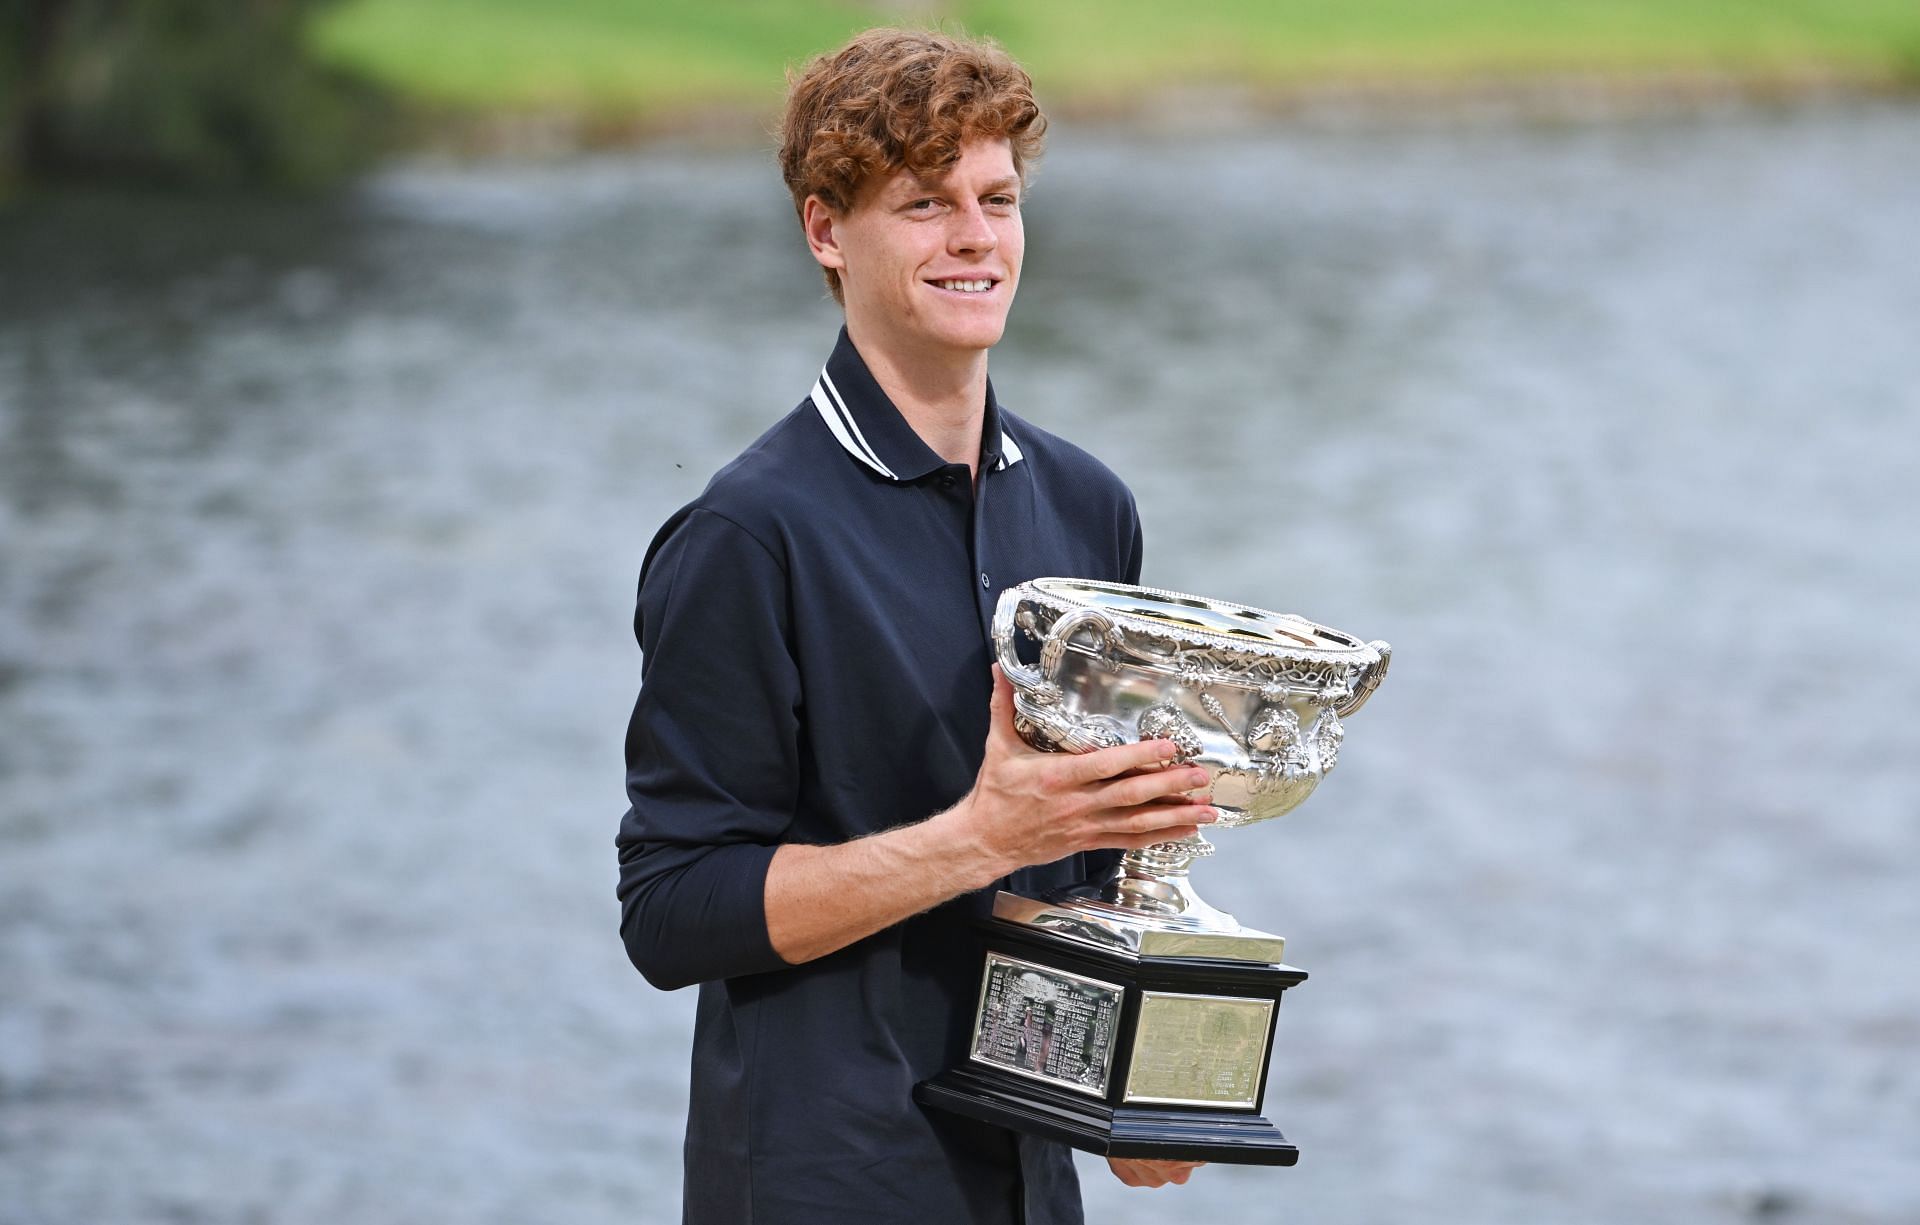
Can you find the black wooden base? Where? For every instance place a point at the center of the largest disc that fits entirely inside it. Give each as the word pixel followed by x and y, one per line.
pixel 1111 1125
pixel 1160 1133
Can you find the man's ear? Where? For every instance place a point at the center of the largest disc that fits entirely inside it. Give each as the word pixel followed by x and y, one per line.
pixel 821 224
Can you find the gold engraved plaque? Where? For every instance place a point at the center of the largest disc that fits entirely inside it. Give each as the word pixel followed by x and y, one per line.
pixel 1047 1024
pixel 1199 1050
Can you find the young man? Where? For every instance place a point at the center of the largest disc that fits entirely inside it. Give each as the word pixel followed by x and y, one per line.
pixel 825 782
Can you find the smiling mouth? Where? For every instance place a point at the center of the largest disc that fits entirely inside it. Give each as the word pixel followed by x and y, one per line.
pixel 965 285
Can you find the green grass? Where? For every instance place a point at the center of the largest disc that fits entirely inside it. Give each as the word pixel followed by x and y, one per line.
pixel 636 57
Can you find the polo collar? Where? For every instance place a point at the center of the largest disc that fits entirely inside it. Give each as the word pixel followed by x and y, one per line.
pixel 866 423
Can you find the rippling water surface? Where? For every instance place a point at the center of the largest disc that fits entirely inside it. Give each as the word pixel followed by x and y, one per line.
pixel 321 524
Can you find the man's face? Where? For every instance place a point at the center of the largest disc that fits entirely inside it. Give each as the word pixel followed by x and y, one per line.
pixel 929 267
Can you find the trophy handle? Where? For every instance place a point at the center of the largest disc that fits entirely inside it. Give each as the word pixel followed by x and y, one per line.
pixel 1036 691
pixel 1019 674
pixel 1054 649
pixel 1369 681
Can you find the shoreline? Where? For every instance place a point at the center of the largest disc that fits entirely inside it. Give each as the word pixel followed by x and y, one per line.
pixel 1399 100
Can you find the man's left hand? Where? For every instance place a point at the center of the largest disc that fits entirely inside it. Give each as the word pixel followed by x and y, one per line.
pixel 1152 1173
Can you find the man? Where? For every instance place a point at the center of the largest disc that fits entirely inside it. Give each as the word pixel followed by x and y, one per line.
pixel 825 782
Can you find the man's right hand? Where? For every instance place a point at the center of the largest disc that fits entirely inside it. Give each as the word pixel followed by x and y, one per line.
pixel 1029 807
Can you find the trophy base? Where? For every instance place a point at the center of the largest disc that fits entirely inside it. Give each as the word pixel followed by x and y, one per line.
pixel 1156 1134
pixel 1119 1050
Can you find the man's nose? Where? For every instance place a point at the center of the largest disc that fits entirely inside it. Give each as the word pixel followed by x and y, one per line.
pixel 971 233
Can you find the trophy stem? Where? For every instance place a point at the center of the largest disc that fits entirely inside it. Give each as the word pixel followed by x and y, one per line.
pixel 1153 880
pixel 1145 907
pixel 1168 858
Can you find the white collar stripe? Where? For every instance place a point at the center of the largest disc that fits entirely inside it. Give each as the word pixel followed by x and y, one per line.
pixel 830 413
pixel 840 402
pixel 1009 451
pixel 833 410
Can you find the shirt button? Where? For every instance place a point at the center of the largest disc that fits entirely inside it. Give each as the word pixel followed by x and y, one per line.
pixel 985 582
pixel 946 482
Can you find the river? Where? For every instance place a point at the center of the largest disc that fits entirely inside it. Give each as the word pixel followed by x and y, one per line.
pixel 319 523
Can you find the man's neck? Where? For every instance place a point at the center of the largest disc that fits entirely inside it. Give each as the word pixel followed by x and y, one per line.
pixel 942 396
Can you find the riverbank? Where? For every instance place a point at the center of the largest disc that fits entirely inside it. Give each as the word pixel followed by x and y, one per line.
pixel 574 73
pixel 1189 109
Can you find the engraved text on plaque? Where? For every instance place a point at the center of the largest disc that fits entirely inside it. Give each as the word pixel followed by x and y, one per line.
pixel 1047 1024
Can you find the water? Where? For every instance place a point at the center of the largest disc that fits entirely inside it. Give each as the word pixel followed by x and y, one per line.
pixel 320 530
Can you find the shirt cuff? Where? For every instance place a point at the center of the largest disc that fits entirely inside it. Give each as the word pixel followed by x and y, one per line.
pixel 704 919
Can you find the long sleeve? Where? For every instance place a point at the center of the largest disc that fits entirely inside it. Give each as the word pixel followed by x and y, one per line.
pixel 712 754
pixel 1135 548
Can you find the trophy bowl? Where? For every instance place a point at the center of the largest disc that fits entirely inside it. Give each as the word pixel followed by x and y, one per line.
pixel 1256 698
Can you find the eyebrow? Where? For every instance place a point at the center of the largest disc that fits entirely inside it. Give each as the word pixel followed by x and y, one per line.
pixel 915 185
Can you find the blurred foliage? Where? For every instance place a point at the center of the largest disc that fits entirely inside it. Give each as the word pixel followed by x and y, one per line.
pixel 627 56
pixel 281 93
pixel 592 55
pixel 190 92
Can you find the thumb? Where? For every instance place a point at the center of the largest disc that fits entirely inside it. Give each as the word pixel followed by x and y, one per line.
pixel 1000 710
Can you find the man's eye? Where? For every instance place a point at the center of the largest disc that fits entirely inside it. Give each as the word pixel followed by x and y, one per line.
pixel 921 205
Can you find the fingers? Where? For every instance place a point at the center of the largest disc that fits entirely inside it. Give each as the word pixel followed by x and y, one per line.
pixel 1132 828
pixel 1172 783
pixel 1108 763
pixel 1101 764
pixel 1133 842
pixel 1133 1173
pixel 1143 1173
pixel 1151 818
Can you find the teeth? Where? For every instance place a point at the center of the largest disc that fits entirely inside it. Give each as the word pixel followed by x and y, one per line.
pixel 966 286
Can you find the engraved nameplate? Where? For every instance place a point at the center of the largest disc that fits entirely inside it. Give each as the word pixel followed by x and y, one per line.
pixel 1198 1050
pixel 1047 1024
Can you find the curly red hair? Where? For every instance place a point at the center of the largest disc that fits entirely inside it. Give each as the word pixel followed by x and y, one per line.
pixel 900 100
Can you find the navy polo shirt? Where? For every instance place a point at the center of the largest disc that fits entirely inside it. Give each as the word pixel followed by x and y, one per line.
pixel 816 668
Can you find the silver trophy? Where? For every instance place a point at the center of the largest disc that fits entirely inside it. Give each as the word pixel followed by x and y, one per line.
pixel 1256 698
pixel 1126 1016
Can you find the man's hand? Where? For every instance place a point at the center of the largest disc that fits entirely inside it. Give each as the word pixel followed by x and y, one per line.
pixel 1029 807
pixel 1152 1173
pixel 1026 807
